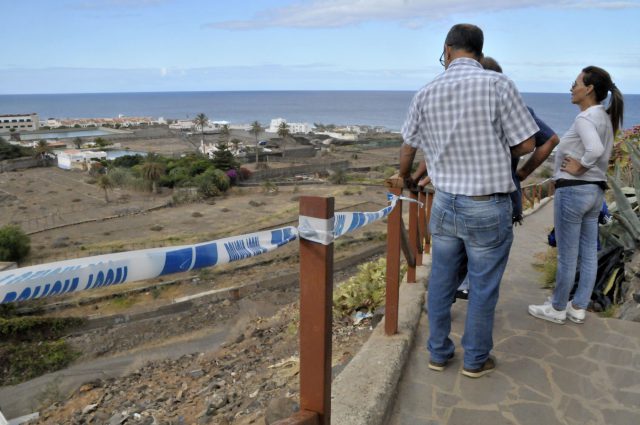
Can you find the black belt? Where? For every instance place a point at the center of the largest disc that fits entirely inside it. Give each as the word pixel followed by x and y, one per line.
pixel 486 197
pixel 570 182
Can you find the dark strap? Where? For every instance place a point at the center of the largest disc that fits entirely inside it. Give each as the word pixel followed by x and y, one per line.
pixel 570 182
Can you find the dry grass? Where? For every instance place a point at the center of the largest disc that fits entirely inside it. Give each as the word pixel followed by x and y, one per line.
pixel 547 263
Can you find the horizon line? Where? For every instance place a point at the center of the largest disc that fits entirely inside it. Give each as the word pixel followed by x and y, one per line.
pixel 251 91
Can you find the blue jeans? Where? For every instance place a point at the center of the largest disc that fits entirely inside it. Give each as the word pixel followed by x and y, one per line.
pixel 482 230
pixel 576 210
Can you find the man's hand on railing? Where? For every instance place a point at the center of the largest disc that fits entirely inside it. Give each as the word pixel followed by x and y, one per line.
pixel 423 182
pixel 410 183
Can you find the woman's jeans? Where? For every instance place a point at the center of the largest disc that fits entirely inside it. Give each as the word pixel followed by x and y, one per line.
pixel 482 230
pixel 576 210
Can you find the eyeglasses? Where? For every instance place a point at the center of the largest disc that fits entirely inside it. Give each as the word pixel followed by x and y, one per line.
pixel 442 58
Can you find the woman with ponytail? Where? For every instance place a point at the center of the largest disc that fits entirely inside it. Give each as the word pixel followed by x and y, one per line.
pixel 580 177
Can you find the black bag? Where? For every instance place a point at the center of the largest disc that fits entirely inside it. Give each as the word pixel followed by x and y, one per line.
pixel 608 287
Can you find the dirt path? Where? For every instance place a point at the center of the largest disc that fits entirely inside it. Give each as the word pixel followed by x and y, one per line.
pixel 24 398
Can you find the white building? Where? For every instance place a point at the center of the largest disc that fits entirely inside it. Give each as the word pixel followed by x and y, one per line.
pixel 294 127
pixel 19 122
pixel 340 136
pixel 182 125
pixel 189 125
pixel 51 123
pixel 210 149
pixel 73 159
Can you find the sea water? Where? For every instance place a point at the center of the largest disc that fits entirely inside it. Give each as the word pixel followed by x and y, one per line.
pixel 382 108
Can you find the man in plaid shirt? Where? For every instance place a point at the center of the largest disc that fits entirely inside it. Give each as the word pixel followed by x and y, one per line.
pixel 469 122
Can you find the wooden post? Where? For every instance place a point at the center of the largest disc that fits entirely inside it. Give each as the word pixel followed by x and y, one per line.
pixel 393 266
pixel 421 227
pixel 524 197
pixel 429 205
pixel 316 289
pixel 413 236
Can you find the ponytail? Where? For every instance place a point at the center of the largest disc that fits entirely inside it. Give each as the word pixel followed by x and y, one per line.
pixel 616 108
pixel 602 84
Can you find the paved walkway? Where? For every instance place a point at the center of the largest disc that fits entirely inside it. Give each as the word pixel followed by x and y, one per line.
pixel 546 374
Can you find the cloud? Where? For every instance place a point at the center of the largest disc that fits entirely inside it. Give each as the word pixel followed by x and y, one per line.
pixel 548 76
pixel 115 4
pixel 409 13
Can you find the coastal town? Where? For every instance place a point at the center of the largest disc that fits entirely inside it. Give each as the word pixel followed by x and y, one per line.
pixel 57 196
pixel 72 141
pixel 88 187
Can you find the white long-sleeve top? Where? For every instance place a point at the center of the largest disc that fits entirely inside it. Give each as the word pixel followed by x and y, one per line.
pixel 590 140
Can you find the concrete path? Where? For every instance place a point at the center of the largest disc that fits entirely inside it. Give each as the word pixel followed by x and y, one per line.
pixel 547 374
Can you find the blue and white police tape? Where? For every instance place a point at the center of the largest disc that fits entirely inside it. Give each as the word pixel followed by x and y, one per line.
pixel 112 269
pixel 324 231
pixel 80 274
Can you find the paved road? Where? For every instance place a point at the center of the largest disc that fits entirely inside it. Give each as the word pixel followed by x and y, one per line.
pixel 22 399
pixel 547 374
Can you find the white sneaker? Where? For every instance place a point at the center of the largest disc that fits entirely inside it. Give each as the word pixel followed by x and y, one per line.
pixel 576 315
pixel 547 312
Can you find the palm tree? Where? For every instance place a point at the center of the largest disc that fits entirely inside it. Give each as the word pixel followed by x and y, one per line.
pixel 153 170
pixel 256 129
pixel 77 142
pixel 225 133
pixel 42 149
pixel 201 121
pixel 283 132
pixel 104 182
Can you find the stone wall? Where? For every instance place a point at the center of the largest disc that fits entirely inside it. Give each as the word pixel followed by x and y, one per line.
pixel 298 169
pixel 18 164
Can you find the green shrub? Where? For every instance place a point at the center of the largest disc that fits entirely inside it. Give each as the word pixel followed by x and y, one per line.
pixel 123 302
pixel 14 243
pixel 121 177
pixel 36 328
pixel 220 179
pixel 364 291
pixel 177 177
pixel 127 161
pixel 212 182
pixel 9 151
pixel 26 360
pixel 339 177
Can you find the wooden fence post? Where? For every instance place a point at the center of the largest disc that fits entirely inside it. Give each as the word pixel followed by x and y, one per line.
pixel 422 227
pixel 394 222
pixel 428 206
pixel 316 289
pixel 413 237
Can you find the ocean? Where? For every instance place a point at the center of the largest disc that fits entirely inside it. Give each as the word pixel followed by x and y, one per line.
pixel 385 108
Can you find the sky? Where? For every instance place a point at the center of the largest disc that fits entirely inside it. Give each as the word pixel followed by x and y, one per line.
pixel 95 46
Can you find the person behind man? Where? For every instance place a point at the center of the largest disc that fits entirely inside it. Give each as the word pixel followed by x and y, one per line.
pixel 469 123
pixel 545 139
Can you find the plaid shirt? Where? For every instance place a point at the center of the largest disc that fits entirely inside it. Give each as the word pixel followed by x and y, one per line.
pixel 465 120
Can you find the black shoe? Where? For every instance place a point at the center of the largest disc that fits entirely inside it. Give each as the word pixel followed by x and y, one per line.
pixel 488 366
pixel 439 366
pixel 462 294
